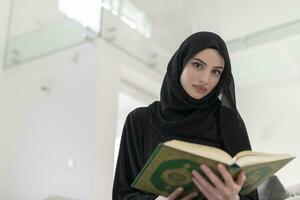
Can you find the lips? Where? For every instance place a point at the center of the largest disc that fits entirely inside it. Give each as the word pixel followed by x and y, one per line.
pixel 200 88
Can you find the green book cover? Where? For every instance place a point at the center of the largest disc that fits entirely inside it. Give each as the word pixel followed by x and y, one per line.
pixel 171 164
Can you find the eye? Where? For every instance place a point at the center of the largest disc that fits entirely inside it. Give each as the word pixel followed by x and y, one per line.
pixel 217 72
pixel 197 65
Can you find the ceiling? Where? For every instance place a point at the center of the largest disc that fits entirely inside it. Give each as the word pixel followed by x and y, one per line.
pixel 268 56
pixel 174 20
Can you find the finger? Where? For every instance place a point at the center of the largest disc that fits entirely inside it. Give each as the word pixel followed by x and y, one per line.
pixel 213 177
pixel 239 183
pixel 175 194
pixel 203 182
pixel 226 176
pixel 205 192
pixel 190 196
pixel 241 179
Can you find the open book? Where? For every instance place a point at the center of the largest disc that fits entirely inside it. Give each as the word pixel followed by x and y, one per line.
pixel 172 162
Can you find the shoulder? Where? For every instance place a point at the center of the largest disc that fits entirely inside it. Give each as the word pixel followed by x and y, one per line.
pixel 232 116
pixel 138 117
pixel 230 112
pixel 138 113
pixel 136 125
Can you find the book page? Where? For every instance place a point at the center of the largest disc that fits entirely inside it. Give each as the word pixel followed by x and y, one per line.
pixel 245 158
pixel 201 150
pixel 249 153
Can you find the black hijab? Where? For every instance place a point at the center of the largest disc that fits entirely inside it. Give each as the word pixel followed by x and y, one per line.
pixel 215 115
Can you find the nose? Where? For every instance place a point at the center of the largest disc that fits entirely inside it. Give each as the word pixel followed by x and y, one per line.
pixel 204 77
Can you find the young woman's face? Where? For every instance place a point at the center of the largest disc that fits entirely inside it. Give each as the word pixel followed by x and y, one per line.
pixel 202 73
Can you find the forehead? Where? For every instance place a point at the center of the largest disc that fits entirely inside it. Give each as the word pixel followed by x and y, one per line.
pixel 210 55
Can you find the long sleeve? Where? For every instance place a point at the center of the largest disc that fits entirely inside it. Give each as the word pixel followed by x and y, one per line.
pixel 130 162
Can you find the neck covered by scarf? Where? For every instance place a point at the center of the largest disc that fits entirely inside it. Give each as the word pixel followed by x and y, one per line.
pixel 214 116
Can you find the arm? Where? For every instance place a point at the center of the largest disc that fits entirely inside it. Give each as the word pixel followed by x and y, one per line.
pixel 130 162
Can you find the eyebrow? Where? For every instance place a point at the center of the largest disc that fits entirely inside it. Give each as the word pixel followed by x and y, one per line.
pixel 218 67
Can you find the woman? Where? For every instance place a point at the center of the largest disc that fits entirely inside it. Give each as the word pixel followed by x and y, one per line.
pixel 197 105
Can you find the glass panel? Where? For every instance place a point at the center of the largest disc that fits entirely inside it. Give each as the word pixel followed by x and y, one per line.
pixel 130 29
pixel 49 26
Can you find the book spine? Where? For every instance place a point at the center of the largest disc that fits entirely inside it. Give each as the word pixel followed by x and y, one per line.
pixel 156 150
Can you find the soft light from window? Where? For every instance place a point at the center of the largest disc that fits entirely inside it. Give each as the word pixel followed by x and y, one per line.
pixel 135 18
pixel 85 12
pixel 130 23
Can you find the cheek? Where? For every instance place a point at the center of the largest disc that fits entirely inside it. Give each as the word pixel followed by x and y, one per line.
pixel 215 82
pixel 189 75
pixel 184 78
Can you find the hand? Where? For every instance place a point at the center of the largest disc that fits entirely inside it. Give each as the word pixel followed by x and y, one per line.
pixel 227 190
pixel 174 195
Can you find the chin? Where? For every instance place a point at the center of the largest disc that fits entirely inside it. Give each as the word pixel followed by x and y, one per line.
pixel 197 97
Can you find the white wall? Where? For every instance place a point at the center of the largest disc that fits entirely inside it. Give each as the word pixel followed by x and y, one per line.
pixel 4 16
pixel 42 130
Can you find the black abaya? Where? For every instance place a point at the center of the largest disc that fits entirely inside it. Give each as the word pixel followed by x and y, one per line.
pixel 139 139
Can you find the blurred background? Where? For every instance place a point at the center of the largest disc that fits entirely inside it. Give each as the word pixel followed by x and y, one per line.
pixel 71 71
